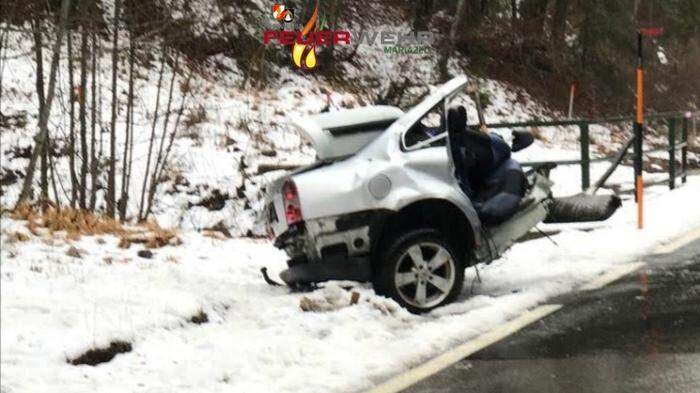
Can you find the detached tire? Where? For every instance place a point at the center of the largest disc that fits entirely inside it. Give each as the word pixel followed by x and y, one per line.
pixel 420 269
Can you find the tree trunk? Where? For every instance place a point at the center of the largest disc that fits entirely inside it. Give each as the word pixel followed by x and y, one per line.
pixel 42 135
pixel 152 139
pixel 468 18
pixel 37 27
pixel 159 173
pixel 82 115
pixel 52 167
pixel 533 14
pixel 39 50
pixel 558 30
pixel 422 11
pixel 74 186
pixel 3 48
pixel 111 192
pixel 128 144
pixel 331 11
pixel 93 124
pixel 159 157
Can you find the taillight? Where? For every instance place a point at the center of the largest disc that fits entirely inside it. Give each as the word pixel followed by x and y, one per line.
pixel 292 207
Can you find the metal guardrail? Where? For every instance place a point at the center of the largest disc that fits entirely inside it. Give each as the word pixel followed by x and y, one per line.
pixel 670 118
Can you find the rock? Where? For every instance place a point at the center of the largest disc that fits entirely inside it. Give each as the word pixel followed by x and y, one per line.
pixel 9 177
pixel 200 318
pixel 221 228
pixel 74 252
pixel 145 254
pixel 216 201
pixel 354 297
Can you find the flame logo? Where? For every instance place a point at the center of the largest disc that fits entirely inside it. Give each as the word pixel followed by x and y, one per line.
pixel 304 55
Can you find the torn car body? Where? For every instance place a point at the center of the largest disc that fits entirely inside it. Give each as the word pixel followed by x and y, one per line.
pixel 375 180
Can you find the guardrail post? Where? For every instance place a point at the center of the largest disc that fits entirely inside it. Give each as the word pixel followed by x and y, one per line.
pixel 672 153
pixel 684 150
pixel 585 156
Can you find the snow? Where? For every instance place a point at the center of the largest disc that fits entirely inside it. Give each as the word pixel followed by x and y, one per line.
pixel 661 54
pixel 55 307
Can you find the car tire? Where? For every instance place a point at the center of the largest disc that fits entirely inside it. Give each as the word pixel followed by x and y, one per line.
pixel 419 269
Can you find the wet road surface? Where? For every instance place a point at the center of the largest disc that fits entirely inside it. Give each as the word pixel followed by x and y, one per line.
pixel 638 334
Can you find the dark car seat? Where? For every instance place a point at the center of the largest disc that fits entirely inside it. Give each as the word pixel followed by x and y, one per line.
pixel 456 123
pixel 485 170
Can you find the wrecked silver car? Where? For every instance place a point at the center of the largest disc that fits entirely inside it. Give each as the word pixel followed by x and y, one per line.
pixel 404 200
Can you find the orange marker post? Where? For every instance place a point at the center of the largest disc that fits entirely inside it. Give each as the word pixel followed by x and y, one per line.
pixel 639 123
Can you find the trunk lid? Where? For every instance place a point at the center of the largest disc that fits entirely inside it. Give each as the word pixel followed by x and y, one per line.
pixel 335 135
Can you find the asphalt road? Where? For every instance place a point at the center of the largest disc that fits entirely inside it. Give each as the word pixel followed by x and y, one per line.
pixel 638 334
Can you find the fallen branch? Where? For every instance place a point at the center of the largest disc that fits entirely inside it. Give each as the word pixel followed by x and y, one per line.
pixel 264 168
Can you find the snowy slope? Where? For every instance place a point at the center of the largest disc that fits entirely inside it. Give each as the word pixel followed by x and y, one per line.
pixel 234 126
pixel 257 338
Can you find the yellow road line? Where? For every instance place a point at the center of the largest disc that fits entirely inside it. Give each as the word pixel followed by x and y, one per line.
pixel 610 276
pixel 678 243
pixel 441 362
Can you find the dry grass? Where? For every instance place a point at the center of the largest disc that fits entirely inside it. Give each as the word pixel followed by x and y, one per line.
pixel 15 237
pixel 214 234
pixel 76 223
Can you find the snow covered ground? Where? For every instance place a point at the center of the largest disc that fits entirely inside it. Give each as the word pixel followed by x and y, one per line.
pixel 257 338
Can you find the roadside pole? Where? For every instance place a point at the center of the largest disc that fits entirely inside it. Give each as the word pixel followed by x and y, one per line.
pixel 571 100
pixel 639 123
pixel 638 134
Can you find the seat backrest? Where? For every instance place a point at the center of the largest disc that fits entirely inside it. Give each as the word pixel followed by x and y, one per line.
pixel 456 120
pixel 455 128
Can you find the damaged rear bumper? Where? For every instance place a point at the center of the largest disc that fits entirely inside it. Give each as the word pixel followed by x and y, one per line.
pixel 351 268
pixel 330 248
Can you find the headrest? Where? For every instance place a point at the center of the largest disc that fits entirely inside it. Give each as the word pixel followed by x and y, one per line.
pixel 456 119
pixel 521 139
pixel 463 113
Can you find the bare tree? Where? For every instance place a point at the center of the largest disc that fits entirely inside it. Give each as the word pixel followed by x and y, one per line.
pixel 113 124
pixel 42 135
pixel 52 167
pixel 533 17
pixel 3 48
pixel 83 114
pixel 422 12
pixel 71 132
pixel 558 26
pixel 152 139
pixel 93 123
pixel 129 143
pixel 159 156
pixel 161 169
pixel 37 27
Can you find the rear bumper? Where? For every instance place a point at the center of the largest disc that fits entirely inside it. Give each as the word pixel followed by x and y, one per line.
pixel 331 248
pixel 351 268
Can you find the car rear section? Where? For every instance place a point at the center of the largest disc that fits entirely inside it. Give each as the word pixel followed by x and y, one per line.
pixel 317 214
pixel 321 248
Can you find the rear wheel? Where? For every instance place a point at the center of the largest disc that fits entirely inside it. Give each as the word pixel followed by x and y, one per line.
pixel 421 270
